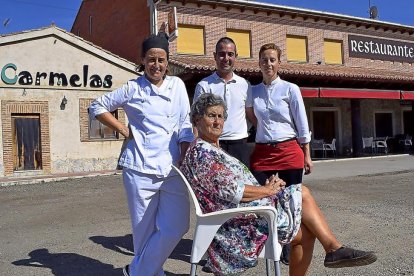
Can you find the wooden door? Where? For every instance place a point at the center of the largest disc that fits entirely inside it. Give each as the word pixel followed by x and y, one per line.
pixel 27 153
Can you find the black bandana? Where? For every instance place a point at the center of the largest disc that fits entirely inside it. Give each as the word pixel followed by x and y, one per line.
pixel 155 41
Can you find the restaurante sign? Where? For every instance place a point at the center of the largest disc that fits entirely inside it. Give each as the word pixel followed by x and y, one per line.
pixel 374 48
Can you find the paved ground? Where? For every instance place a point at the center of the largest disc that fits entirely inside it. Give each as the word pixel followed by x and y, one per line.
pixel 81 226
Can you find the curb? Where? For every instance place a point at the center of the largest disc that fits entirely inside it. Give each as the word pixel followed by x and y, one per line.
pixel 359 158
pixel 46 179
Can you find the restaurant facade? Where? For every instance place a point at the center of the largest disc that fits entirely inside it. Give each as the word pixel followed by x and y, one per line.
pixel 356 74
pixel 48 79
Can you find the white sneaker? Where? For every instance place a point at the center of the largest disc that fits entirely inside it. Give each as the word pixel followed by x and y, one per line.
pixel 126 270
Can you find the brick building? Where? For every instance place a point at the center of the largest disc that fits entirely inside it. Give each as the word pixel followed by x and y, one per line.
pixel 48 79
pixel 356 74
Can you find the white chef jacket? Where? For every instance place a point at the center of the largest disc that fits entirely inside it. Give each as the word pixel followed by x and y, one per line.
pixel 158 118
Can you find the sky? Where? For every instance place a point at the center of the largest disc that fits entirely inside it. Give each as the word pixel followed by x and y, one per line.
pixel 22 15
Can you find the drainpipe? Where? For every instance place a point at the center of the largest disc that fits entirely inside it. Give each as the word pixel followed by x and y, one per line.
pixel 152 4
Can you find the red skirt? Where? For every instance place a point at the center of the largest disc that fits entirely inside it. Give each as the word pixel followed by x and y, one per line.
pixel 280 156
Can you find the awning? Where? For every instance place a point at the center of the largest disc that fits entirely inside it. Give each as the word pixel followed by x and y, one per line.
pixel 359 93
pixel 407 95
pixel 309 92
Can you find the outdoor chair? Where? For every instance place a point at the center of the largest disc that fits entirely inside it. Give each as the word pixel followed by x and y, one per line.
pixel 407 141
pixel 368 142
pixel 208 224
pixel 382 143
pixel 330 147
pixel 317 144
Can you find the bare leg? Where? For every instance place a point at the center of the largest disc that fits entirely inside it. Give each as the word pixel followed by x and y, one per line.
pixel 316 223
pixel 301 252
pixel 336 255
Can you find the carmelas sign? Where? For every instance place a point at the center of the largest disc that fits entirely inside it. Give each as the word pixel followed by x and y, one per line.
pixel 9 75
pixel 374 48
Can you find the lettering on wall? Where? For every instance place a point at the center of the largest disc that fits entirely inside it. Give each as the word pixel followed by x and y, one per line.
pixel 11 75
pixel 381 49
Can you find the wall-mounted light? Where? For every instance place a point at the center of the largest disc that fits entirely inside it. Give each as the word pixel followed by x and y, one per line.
pixel 319 62
pixel 24 92
pixel 63 103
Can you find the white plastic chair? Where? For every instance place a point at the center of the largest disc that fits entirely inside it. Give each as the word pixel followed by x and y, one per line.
pixel 407 141
pixel 331 147
pixel 208 224
pixel 368 142
pixel 317 144
pixel 382 143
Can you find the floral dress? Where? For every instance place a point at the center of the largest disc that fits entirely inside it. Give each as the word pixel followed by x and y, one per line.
pixel 218 181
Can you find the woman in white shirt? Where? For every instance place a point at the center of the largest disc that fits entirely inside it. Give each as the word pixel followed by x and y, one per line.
pixel 158 135
pixel 277 110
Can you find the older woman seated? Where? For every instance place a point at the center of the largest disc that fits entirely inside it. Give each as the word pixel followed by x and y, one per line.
pixel 220 181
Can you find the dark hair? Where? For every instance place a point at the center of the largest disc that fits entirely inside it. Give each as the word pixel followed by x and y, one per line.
pixel 206 100
pixel 154 41
pixel 270 46
pixel 225 40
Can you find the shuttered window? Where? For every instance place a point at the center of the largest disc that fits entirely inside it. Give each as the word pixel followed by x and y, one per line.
pixel 242 40
pixel 333 51
pixel 296 49
pixel 190 40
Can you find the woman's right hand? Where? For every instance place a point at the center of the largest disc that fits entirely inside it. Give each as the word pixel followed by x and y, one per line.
pixel 274 184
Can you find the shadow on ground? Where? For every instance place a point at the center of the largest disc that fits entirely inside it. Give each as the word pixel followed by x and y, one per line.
pixel 124 245
pixel 120 244
pixel 65 264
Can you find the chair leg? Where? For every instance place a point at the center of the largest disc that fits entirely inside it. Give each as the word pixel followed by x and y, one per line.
pixel 193 269
pixel 277 268
pixel 267 267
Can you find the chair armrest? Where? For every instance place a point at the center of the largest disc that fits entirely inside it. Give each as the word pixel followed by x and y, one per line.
pixel 242 210
pixel 216 219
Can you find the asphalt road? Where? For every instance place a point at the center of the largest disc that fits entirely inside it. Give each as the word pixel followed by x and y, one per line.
pixel 81 226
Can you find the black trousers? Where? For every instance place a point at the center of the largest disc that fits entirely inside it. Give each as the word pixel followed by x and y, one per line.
pixel 237 149
pixel 291 176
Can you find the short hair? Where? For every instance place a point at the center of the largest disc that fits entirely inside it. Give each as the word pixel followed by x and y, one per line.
pixel 226 40
pixel 206 100
pixel 271 46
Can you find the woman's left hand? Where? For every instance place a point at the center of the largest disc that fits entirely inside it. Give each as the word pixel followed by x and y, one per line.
pixel 308 165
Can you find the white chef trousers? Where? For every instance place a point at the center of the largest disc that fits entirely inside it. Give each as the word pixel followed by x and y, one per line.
pixel 160 210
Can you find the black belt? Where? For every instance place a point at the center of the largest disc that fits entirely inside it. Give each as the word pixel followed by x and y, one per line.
pixel 232 142
pixel 277 142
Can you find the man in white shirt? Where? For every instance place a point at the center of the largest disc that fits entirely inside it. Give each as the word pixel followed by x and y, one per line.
pixel 233 89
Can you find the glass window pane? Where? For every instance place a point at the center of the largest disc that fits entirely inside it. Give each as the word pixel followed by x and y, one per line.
pixel 94 129
pixel 108 132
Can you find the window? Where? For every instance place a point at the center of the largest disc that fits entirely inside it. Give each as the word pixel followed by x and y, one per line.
pixel 90 24
pixel 333 51
pixel 93 130
pixel 242 40
pixel 97 130
pixel 296 48
pixel 190 40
